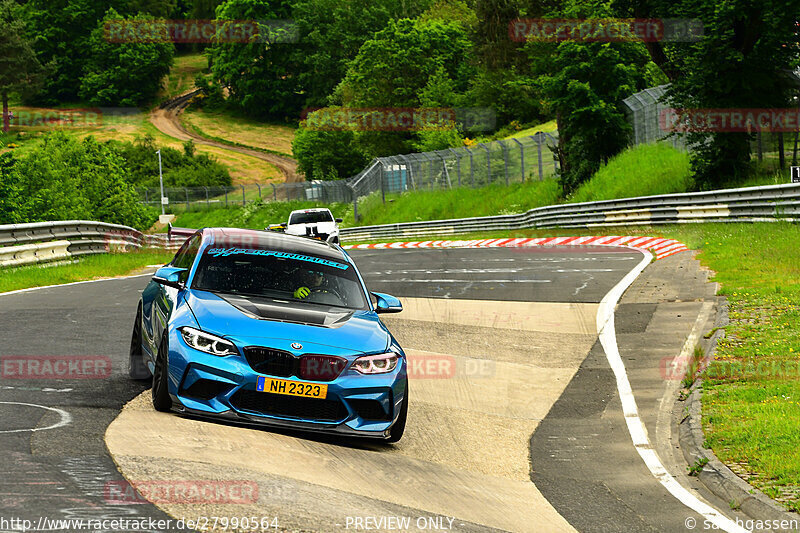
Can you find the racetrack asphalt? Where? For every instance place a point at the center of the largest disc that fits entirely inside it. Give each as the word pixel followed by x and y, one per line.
pixel 62 472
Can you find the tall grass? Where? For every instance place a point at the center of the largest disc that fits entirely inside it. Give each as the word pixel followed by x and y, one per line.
pixel 455 203
pixel 86 268
pixel 644 170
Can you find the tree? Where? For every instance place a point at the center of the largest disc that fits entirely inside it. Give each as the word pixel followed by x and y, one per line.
pixel 393 67
pixel 126 73
pixel 326 155
pixel 743 60
pixel 60 31
pixel 331 33
pixel 261 74
pixel 19 67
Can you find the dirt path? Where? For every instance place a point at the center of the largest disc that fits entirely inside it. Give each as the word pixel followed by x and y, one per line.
pixel 167 119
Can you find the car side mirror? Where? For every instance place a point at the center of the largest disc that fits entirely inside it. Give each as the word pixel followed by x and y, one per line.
pixel 169 277
pixel 338 220
pixel 387 303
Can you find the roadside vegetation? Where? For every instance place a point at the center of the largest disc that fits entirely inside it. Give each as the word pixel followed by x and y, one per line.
pixel 81 269
pixel 645 170
pixel 751 399
pixel 464 202
pixel 256 215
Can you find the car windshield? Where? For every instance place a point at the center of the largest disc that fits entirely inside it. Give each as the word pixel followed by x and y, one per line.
pixel 281 276
pixel 311 217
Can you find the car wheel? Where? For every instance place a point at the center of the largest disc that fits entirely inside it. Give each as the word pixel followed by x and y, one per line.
pixel 137 369
pixel 399 427
pixel 161 399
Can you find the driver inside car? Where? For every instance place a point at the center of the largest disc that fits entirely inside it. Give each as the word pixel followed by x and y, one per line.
pixel 312 282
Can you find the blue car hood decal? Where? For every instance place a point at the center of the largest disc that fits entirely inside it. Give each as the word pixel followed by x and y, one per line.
pixel 353 331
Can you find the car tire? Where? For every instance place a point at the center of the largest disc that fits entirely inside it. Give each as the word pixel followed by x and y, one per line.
pixel 137 369
pixel 161 399
pixel 399 427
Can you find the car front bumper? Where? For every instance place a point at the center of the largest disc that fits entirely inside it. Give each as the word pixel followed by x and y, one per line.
pixel 205 385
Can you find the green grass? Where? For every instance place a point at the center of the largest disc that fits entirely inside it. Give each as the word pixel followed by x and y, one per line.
pixel 644 170
pixel 85 268
pixel 253 216
pixel 751 401
pixel 236 130
pixel 454 203
pixel 181 77
pixel 549 126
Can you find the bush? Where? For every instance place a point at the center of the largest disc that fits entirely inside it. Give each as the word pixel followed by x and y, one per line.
pixel 181 169
pixel 327 155
pixel 66 179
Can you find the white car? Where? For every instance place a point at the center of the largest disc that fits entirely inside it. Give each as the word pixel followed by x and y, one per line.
pixel 317 223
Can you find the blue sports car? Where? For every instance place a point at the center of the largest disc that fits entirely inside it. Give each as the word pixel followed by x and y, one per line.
pixel 261 327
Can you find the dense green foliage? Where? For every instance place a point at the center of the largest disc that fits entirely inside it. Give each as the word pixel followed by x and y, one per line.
pixel 181 169
pixel 124 74
pixel 65 179
pixel 19 68
pixel 430 53
pixel 62 35
pixel 260 74
pixel 742 61
pixel 327 155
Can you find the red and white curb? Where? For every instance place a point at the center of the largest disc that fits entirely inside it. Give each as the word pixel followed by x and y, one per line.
pixel 661 248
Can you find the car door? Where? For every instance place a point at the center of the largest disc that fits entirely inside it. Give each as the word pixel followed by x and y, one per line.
pixel 164 299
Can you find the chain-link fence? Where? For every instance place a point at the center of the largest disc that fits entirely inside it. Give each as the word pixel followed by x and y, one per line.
pixel 649 115
pixel 645 110
pixel 500 162
pixel 193 198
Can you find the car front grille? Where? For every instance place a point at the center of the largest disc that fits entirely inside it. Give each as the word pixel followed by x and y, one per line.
pixel 264 403
pixel 312 367
pixel 271 362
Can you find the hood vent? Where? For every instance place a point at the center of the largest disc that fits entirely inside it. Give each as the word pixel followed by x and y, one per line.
pixel 265 309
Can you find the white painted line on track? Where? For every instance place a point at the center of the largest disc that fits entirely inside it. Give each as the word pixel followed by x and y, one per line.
pixel 66 418
pixel 636 427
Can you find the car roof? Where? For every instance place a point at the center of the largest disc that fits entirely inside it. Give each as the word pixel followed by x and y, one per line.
pixel 272 240
pixel 311 210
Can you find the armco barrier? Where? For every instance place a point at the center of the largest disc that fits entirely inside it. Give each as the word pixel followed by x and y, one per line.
pixel 752 204
pixel 39 242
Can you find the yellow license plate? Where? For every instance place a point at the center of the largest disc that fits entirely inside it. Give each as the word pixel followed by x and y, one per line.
pixel 291 388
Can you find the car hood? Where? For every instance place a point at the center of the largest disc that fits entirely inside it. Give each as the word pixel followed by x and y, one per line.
pixel 261 321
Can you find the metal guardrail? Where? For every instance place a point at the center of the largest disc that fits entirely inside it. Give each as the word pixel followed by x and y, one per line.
pixel 39 242
pixel 752 204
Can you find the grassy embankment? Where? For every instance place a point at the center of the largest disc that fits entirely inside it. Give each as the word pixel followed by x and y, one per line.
pixel 82 269
pixel 129 126
pixel 667 170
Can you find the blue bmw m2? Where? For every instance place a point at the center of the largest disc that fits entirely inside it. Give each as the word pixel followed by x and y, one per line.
pixel 266 328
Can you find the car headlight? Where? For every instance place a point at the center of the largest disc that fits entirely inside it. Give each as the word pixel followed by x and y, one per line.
pixel 376 364
pixel 205 342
